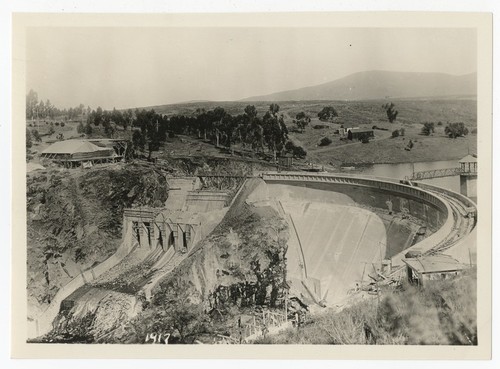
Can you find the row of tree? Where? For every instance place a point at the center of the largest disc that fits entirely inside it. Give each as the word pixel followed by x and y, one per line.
pixel 221 128
pixel 452 130
pixel 39 109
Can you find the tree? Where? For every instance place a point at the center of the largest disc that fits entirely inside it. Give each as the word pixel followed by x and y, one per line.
pixel 454 130
pixel 138 141
pixel 80 128
pixel 98 116
pixel 29 143
pixel 395 133
pixel 428 128
pixel 275 131
pixel 128 117
pixel 217 116
pixel 390 111
pixel 302 120
pixel 49 109
pixel 152 130
pixel 41 109
pixel 88 129
pixel 327 114
pixel 255 130
pixel 36 135
pixel 172 311
pixel 31 104
pixel 51 130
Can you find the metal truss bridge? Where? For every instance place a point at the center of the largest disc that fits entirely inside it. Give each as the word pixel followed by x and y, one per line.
pixel 436 173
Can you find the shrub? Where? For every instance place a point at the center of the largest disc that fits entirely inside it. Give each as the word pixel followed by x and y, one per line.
pixel 299 152
pixel 296 151
pixel 428 128
pixel 325 141
pixel 62 124
pixel 395 133
pixel 454 130
pixel 320 126
pixel 474 131
pixel 327 114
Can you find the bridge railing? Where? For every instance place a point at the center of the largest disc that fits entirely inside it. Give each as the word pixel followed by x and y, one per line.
pixel 439 173
pixel 387 184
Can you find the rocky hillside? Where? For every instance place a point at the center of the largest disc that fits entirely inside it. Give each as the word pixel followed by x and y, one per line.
pixel 74 220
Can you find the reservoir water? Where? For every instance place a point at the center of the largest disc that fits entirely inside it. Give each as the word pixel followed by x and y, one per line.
pixel 406 169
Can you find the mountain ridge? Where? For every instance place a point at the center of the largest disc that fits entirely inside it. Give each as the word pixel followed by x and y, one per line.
pixel 378 84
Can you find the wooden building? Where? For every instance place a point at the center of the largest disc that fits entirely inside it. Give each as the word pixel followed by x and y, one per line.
pixel 422 270
pixel 74 153
pixel 359 134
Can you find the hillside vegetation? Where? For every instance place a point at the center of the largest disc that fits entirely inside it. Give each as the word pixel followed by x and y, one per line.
pixel 444 313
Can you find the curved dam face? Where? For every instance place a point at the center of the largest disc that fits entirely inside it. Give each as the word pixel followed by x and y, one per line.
pixel 342 234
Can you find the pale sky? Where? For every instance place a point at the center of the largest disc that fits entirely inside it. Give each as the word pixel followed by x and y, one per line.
pixel 133 67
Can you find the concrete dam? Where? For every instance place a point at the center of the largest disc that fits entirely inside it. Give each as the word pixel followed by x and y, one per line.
pixel 342 229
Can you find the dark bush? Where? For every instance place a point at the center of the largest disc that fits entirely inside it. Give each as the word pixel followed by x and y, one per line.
pixel 454 130
pixel 325 141
pixel 395 133
pixel 428 128
pixel 296 151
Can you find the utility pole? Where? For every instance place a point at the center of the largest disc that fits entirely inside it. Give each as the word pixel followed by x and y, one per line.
pixel 376 285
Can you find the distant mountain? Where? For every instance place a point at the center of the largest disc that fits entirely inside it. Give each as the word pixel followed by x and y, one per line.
pixel 381 85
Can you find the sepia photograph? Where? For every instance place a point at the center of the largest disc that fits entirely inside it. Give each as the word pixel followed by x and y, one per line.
pixel 239 183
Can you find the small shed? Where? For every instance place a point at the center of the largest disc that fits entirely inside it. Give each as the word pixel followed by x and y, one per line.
pixel 285 160
pixel 468 164
pixel 423 269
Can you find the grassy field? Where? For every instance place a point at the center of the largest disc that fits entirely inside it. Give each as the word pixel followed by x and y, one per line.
pixel 366 114
pixel 362 114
